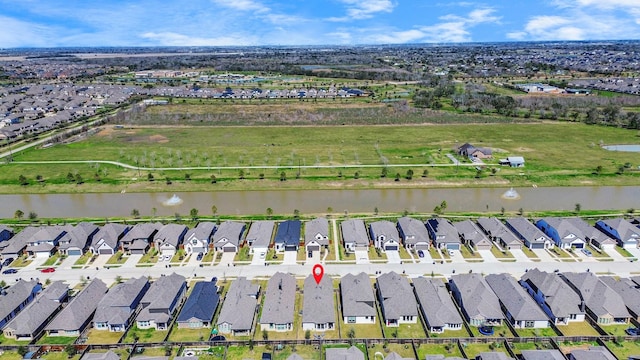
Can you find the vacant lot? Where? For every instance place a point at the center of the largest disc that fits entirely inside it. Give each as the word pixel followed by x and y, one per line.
pixel 555 153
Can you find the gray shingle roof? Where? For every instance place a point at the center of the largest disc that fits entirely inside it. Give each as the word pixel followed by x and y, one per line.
pixel 202 302
pixel 413 231
pixel 436 304
pixel 559 296
pixel 494 355
pixel 626 230
pixel 109 234
pixel 496 229
pixel 566 229
pixel 142 231
pixel 15 295
pixel 317 230
pixel 627 289
pixel 352 353
pixel 159 298
pixel 171 234
pixel 357 295
pixel 527 230
pixel 260 233
pixel 278 306
pixel 20 240
pixel 598 297
pixel 239 305
pixel 78 311
pixel 385 229
pixel 78 236
pixel 202 231
pixel 442 231
pixel 354 231
pixel 109 355
pixel 470 232
pixel 116 306
pixel 288 233
pixel 478 300
pixel 515 298
pixel 31 320
pixel 397 296
pixel 542 355
pixel 231 231
pixel 593 353
pixel 318 306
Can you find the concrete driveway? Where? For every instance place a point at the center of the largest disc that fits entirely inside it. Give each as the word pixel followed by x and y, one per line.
pixel 315 258
pixel 393 257
pixel 362 257
pixel 615 255
pixel 132 261
pixel 457 257
pixel 290 258
pixel 101 261
pixel 227 259
pixel 487 256
pixel 544 255
pixel 519 255
pixel 259 258
pixel 635 252
pixel 427 259
pixel 68 262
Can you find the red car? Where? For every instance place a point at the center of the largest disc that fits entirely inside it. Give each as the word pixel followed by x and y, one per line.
pixel 48 270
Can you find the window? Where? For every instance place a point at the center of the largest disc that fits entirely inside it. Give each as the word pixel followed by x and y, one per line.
pixel 529 324
pixel 194 241
pixel 351 320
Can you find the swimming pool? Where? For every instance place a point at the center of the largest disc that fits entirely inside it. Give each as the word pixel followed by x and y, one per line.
pixel 627 148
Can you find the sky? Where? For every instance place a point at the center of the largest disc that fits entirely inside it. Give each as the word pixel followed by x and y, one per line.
pixel 69 23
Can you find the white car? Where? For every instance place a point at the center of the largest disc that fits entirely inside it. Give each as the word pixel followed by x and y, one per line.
pixel 451 253
pixel 262 255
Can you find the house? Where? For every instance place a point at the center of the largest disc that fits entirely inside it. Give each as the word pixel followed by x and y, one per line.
pixel 357 299
pixel 593 236
pixel 626 234
pixel 443 234
pixel 479 304
pixel 316 234
pixel 493 355
pixel 109 355
pixel 239 308
pixel 499 233
pixel 556 298
pixel 384 235
pixel 168 238
pixel 318 305
pixel 542 355
pixel 16 246
pixel 395 356
pixel 197 240
pixel 593 353
pixel 352 353
pixel 520 308
pixel 72 320
pixel 116 309
pixel 513 161
pixel 5 233
pixel 28 324
pixel 44 242
pixel 16 298
pixel 139 238
pixel 442 357
pixel 279 303
pixel 532 237
pixel 77 238
pixel 200 306
pixel 107 240
pixel 288 235
pixel 628 290
pixel 471 235
pixel 563 233
pixel 414 234
pixel 435 304
pixel 395 296
pixel 354 235
pixel 161 302
pixel 228 236
pixel 259 236
pixel 603 304
pixel 472 152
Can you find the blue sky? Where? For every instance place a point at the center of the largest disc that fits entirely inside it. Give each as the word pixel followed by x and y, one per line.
pixel 56 23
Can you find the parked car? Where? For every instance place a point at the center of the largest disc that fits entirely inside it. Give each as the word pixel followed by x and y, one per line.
pixel 10 271
pixel 7 261
pixel 48 270
pixel 420 253
pixel 199 257
pixel 451 253
pixel 587 252
pixel 632 331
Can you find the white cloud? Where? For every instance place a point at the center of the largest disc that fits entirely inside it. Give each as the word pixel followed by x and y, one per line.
pixel 18 33
pixel 242 5
pixel 176 39
pixel 363 9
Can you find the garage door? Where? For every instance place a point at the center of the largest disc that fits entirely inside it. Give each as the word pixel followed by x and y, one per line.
pixel 313 248
pixel 137 252
pixel 422 247
pixel 105 252
pixel 453 247
pixel 290 248
pixel 537 246
pixel 579 246
pixel 74 252
pixel 229 249
pixel 391 247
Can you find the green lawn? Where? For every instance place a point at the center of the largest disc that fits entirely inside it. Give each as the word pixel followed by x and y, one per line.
pixel 519 346
pixel 536 332
pixel 624 252
pixel 151 257
pixel 7 341
pixel 467 254
pixel 243 254
pixel 117 259
pixel 144 335
pixel 84 259
pixel 405 351
pixel 452 334
pixel 182 335
pixel 306 352
pixel 363 331
pixel 52 260
pixel 245 352
pixel 11 355
pixel 624 349
pixel 448 350
pixel 577 329
pixel 57 340
pixel 21 261
pixel 473 350
pixel 376 254
pixel 405 331
pixel 154 351
pixel 567 346
pixel 530 254
pixel 616 330
pixel 58 355
pixel 506 254
pixel 499 331
pixel 103 337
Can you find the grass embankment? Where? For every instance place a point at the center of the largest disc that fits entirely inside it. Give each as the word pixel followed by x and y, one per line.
pixel 290 149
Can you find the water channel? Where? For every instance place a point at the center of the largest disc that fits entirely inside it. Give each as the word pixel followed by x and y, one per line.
pixel 318 201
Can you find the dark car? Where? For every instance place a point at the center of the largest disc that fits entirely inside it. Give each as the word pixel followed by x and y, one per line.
pixel 632 331
pixel 6 262
pixel 48 270
pixel 214 279
pixel 199 257
pixel 420 253
pixel 10 271
pixel 218 338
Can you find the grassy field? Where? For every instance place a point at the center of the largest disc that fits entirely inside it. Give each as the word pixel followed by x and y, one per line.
pixel 577 329
pixel 625 349
pixel 544 146
pixel 103 337
pixel 448 350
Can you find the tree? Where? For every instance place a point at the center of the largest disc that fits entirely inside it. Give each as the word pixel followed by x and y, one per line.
pixel 502 211
pixel 3 284
pixel 154 212
pixel 351 334
pixel 296 213
pixel 23 180
pixel 167 180
pixel 187 177
pixel 150 177
pixel 118 279
pixel 22 350
pixel 356 175
pixel 443 205
pixel 265 335
pixel 520 212
pixel 598 170
pixel 385 172
pixel 425 173
pixel 194 214
pixel 70 350
pixel 241 174
pixel 397 177
pixel 70 177
pixel 39 178
pixel 269 212
pixel 375 210
pixel 33 216
pixel 578 208
pixel 409 175
pixel 214 210
pixel 283 176
pixel 18 214
pixel 213 179
pixel 79 179
pixel 135 213
pixel 307 335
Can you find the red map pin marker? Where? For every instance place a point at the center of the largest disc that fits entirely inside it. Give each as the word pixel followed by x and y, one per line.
pixel 318 272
